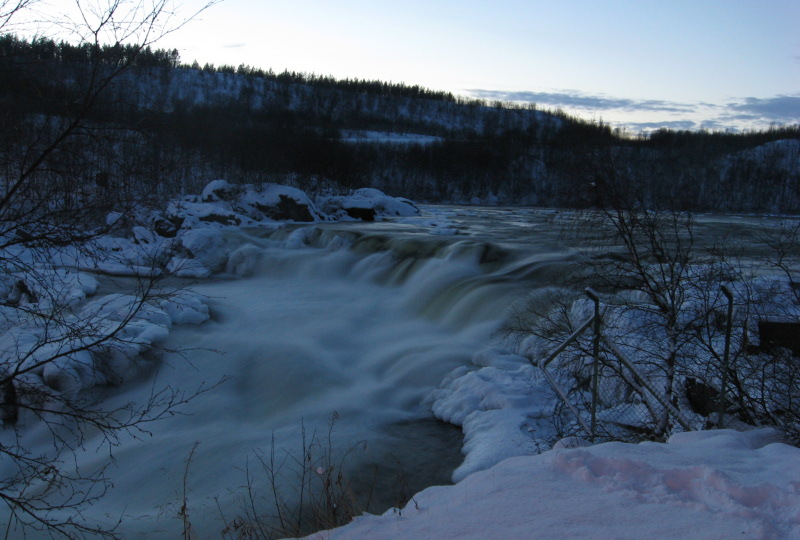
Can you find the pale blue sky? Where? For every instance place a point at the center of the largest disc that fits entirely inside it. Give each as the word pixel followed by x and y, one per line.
pixel 717 63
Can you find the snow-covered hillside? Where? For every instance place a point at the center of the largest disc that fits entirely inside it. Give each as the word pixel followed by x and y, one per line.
pixel 167 89
pixel 165 127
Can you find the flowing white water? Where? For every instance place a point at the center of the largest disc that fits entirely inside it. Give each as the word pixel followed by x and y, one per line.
pixel 326 320
pixel 360 320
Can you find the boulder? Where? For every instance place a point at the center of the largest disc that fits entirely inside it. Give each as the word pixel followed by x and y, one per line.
pixel 357 212
pixel 281 203
pixel 223 219
pixel 367 204
pixel 220 190
pixel 167 227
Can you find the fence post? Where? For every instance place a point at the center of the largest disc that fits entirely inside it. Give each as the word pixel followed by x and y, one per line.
pixel 596 355
pixel 725 356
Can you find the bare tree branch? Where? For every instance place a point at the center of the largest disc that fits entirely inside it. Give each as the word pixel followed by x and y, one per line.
pixel 48 216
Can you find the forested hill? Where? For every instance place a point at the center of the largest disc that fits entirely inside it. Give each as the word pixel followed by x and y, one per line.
pixel 162 127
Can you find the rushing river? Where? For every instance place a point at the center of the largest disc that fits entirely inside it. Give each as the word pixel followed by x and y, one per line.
pixel 360 321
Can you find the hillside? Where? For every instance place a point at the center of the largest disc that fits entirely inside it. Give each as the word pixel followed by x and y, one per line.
pixel 162 128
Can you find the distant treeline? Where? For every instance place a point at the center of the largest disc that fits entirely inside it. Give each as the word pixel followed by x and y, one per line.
pixel 42 49
pixel 168 127
pixel 327 81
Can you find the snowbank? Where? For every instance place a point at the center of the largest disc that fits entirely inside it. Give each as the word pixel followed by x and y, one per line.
pixel 387 137
pixel 368 204
pixel 98 345
pixel 498 406
pixel 710 484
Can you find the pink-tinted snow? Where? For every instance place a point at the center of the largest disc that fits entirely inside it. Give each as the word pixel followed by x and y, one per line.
pixel 701 485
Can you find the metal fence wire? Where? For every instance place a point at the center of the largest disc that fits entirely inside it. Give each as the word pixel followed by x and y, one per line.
pixel 611 410
pixel 612 400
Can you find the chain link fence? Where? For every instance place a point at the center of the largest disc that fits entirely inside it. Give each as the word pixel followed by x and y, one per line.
pixel 612 399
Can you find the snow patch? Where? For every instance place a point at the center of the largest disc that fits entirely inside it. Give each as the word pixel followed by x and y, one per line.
pixel 707 485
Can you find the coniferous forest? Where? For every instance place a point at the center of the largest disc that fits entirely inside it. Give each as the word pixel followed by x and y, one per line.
pixel 163 127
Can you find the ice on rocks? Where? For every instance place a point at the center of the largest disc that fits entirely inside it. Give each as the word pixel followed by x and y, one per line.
pixel 367 204
pixel 299 238
pixel 186 307
pixel 48 286
pixel 117 328
pixel 206 246
pixel 71 373
pixel 244 260
pixel 494 405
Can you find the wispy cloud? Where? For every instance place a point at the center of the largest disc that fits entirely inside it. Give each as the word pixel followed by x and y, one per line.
pixel 582 100
pixel 778 108
pixel 670 124
pixel 638 114
pixel 234 45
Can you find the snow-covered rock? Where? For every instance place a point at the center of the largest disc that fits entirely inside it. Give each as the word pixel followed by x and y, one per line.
pixel 226 204
pixel 368 204
pixel 223 205
pixel 50 286
pixel 206 246
pixel 97 345
pixel 281 203
pixel 219 190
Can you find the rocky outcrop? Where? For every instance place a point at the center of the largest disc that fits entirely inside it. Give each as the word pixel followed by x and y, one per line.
pixel 249 205
pixel 368 204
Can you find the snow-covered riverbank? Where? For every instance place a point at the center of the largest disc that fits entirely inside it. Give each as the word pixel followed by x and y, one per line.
pixel 386 326
pixel 700 485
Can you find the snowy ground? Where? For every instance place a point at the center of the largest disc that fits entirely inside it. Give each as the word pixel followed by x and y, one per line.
pixel 709 484
pixel 387 137
pixel 714 484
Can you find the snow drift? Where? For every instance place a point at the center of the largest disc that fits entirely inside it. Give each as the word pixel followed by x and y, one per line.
pixel 701 485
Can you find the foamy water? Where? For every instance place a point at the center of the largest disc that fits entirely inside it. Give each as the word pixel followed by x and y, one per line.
pixel 318 322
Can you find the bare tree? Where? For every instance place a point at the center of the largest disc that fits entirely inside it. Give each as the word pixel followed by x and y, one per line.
pixel 667 285
pixel 643 255
pixel 10 8
pixel 53 210
pixel 681 325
